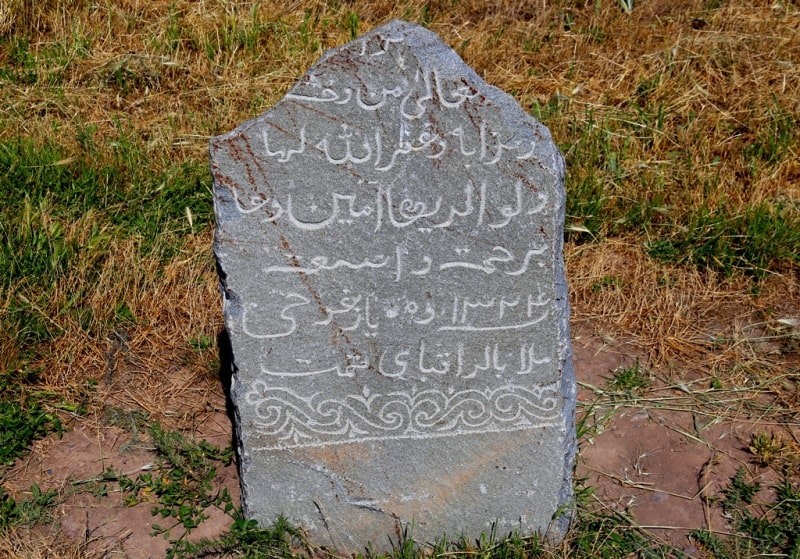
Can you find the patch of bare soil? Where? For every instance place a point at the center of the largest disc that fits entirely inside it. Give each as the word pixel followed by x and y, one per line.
pixel 656 460
pixel 94 512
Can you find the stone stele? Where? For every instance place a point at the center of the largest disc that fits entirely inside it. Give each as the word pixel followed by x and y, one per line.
pixel 389 239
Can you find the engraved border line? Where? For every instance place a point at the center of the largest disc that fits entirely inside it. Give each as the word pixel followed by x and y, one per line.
pixel 414 436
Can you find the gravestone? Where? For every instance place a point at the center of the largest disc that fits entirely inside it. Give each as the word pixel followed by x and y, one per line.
pixel 389 239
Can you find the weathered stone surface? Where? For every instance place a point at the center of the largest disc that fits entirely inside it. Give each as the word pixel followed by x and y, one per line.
pixel 389 239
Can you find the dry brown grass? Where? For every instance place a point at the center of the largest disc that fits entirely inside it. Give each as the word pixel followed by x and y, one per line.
pixel 722 65
pixel 149 363
pixel 672 312
pixel 25 544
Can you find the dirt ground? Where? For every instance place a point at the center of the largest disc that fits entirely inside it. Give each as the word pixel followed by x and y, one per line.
pixel 660 466
pixel 656 464
pixel 79 458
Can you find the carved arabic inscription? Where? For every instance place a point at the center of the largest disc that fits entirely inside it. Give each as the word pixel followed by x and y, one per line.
pixel 408 281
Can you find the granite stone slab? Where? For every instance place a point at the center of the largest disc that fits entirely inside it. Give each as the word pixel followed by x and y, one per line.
pixel 389 238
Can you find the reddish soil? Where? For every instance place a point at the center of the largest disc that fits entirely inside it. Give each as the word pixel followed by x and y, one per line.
pixel 661 467
pixel 82 454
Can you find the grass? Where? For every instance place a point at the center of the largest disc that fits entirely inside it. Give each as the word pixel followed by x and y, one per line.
pixel 180 483
pixel 761 529
pixel 244 539
pixel 679 123
pixel 764 239
pixel 26 513
pixel 628 380
pixel 24 416
pixel 64 212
